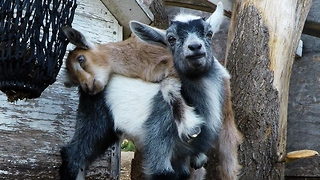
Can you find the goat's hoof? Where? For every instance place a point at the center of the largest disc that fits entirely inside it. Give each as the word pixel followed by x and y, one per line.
pixel 198 161
pixel 196 131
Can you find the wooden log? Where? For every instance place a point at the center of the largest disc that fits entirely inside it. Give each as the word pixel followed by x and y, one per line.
pixel 262 42
pixel 157 8
pixel 202 5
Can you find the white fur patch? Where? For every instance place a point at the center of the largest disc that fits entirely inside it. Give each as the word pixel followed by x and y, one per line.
pixel 101 75
pixel 215 115
pixel 129 100
pixel 170 86
pixel 214 104
pixel 183 17
pixel 191 121
pixel 191 124
pixel 222 70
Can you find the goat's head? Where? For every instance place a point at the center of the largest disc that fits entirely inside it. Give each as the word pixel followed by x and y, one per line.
pixel 189 39
pixel 82 64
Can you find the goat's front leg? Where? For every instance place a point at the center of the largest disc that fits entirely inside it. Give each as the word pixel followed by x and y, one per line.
pixel 201 145
pixel 93 135
pixel 160 143
pixel 198 174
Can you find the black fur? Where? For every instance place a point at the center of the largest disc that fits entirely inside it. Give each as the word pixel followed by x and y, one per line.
pixel 93 135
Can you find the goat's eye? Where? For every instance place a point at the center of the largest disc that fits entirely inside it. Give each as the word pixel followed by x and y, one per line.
pixel 81 59
pixel 209 35
pixel 171 40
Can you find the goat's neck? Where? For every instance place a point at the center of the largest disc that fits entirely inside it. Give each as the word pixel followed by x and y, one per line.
pixel 205 93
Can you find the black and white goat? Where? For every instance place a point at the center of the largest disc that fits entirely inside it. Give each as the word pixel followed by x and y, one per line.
pixel 204 84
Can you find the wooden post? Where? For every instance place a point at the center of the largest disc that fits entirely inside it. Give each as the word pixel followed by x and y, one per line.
pixel 115 165
pixel 262 42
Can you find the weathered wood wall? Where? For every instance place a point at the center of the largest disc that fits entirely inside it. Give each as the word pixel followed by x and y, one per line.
pixel 32 131
pixel 304 105
pixel 303 115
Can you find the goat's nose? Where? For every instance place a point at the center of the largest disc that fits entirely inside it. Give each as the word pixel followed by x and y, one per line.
pixel 194 46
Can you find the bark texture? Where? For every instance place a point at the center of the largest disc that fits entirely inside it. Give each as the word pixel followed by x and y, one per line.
pixel 158 9
pixel 256 102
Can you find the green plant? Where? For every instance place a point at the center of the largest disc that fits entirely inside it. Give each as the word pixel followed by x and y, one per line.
pixel 127 145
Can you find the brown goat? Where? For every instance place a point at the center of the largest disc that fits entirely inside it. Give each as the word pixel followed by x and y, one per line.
pixel 91 65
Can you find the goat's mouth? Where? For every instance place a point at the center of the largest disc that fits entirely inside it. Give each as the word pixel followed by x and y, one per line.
pixel 196 60
pixel 196 56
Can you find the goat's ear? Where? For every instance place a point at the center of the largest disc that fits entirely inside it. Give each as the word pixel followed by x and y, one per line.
pixel 76 37
pixel 216 18
pixel 149 34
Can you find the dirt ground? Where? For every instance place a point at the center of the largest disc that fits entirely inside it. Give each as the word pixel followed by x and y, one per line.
pixel 126 158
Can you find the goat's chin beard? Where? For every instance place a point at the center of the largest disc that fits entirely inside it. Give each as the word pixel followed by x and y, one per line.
pixel 196 72
pixel 197 64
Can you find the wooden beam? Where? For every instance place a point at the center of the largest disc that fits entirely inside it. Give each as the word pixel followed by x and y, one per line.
pixel 126 10
pixel 202 5
pixel 312 28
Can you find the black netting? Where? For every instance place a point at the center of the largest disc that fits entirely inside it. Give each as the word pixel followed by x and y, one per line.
pixel 32 44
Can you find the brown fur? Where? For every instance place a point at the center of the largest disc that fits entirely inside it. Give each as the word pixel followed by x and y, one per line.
pixel 229 140
pixel 132 58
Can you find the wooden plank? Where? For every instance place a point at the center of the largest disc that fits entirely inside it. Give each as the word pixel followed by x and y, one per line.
pixel 312 25
pixel 126 10
pixel 202 5
pixel 312 28
pixel 303 115
pixel 299 49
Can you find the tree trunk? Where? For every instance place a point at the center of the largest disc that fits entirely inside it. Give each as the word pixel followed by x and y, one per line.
pixel 261 47
pixel 158 10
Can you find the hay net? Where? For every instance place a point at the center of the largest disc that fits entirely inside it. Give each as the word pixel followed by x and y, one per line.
pixel 32 45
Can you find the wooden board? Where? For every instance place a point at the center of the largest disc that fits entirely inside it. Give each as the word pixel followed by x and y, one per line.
pixel 202 5
pixel 126 10
pixel 303 115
